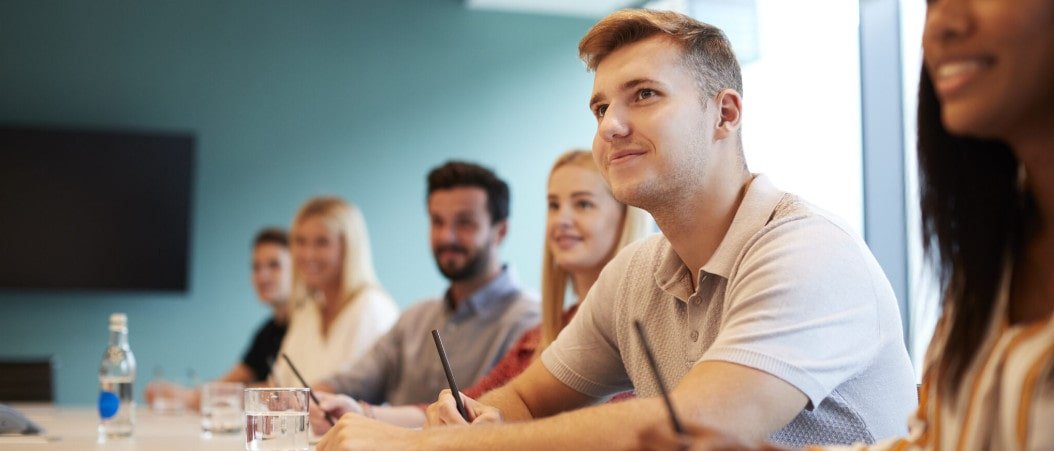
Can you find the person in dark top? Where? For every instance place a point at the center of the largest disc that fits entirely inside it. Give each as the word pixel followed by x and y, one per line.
pixel 264 349
pixel 272 279
pixel 272 271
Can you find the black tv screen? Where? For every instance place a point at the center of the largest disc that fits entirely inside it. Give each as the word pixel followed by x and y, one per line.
pixel 94 210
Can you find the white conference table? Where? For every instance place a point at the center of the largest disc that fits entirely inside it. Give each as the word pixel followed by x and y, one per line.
pixel 75 428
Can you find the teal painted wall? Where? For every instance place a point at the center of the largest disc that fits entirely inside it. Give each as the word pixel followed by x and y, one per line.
pixel 287 100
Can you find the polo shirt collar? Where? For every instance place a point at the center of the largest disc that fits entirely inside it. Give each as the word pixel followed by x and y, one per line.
pixel 753 213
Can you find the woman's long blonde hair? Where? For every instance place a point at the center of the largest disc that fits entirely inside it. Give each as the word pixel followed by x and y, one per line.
pixel 356 272
pixel 555 280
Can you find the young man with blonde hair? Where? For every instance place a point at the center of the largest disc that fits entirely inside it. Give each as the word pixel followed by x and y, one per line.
pixel 769 318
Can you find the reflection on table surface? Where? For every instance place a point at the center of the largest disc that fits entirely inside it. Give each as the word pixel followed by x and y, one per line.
pixel 76 428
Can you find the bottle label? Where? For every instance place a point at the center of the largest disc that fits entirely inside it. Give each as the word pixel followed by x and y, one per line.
pixel 108 404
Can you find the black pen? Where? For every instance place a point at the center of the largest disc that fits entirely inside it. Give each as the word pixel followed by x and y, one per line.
pixel 658 377
pixel 309 392
pixel 449 375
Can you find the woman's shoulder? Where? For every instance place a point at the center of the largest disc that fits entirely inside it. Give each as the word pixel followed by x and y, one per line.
pixel 374 301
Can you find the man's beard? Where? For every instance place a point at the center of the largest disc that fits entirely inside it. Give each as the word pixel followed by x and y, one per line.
pixel 472 268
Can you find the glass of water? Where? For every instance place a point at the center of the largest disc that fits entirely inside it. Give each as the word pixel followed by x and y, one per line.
pixel 276 419
pixel 221 407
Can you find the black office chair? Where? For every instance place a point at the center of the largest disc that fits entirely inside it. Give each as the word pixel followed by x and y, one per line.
pixel 26 379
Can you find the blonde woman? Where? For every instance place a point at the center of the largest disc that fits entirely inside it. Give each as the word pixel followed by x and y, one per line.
pixel 340 308
pixel 585 228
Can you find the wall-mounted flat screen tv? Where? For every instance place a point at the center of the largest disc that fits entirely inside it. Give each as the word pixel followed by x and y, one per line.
pixel 94 209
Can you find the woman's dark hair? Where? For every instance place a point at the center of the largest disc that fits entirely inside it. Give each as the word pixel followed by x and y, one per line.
pixel 273 235
pixel 974 218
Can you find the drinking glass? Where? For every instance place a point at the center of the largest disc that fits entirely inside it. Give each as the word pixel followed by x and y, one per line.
pixel 221 407
pixel 276 419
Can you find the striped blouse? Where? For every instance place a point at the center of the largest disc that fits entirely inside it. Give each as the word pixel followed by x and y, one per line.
pixel 1006 400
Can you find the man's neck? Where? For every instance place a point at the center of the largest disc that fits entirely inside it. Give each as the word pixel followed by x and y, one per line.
pixel 461 290
pixel 696 230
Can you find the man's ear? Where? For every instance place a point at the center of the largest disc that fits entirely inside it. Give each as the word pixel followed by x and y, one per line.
pixel 501 229
pixel 730 112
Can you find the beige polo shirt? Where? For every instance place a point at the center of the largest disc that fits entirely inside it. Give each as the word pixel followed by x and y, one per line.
pixel 790 291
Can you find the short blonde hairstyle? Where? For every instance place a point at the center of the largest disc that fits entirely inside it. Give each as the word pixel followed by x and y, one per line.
pixel 555 280
pixel 356 272
pixel 707 52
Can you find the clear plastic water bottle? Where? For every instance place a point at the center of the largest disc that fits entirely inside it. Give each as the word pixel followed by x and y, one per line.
pixel 116 377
